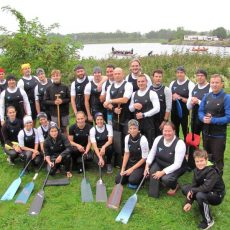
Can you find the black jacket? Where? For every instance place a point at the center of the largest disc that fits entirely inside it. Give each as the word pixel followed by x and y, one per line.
pixel 60 146
pixel 49 98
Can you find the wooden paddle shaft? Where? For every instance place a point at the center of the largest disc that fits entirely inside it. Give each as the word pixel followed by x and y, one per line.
pixel 58 111
pixel 118 116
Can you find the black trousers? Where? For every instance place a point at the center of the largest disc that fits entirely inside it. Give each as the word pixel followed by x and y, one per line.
pixel 215 148
pixel 26 155
pixel 169 180
pixel 11 153
pixel 204 199
pixel 134 178
pixel 109 154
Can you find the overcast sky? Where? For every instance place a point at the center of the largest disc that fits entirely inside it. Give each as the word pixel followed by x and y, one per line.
pixel 126 15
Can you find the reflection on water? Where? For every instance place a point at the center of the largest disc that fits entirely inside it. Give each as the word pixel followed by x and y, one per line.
pixel 104 51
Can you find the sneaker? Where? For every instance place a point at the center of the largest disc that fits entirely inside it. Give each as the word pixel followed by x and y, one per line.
pixel 10 161
pixel 204 225
pixel 109 168
pixel 80 170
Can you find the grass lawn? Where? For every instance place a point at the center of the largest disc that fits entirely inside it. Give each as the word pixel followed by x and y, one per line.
pixel 62 208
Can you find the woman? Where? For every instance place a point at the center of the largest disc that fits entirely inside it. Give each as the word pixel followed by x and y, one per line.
pixel 101 137
pixel 57 150
pixel 166 161
pixel 136 153
pixel 10 131
pixel 28 141
pixel 79 139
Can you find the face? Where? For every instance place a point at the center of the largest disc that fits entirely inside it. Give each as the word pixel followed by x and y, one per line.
pixel 200 79
pixel 216 84
pixel 11 83
pixel 11 114
pixel 168 133
pixel 118 75
pixel 133 130
pixel 56 78
pixel 43 121
pixel 201 162
pixel 80 73
pixel 80 119
pixel 97 77
pixel 109 73
pixel 26 71
pixel 157 78
pixel 99 121
pixel 28 126
pixel 180 75
pixel 41 76
pixel 135 67
pixel 53 133
pixel 142 83
pixel 2 76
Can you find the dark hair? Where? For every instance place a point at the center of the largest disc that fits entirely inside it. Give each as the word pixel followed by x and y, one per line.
pixel 202 71
pixel 159 71
pixel 200 153
pixel 169 123
pixel 110 66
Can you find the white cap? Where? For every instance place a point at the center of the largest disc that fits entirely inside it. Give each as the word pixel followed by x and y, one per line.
pixel 27 119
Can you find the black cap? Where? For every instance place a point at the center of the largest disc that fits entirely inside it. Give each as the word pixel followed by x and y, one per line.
pixel 180 69
pixel 80 66
pixel 98 114
pixel 202 71
pixel 11 77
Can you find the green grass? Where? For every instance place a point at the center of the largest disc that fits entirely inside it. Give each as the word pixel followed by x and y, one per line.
pixel 62 208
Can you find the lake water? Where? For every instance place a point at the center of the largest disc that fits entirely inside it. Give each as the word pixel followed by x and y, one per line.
pixel 103 51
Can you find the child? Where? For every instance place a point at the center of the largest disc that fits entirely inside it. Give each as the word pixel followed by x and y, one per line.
pixel 207 188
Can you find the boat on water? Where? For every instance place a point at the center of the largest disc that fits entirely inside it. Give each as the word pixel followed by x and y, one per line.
pixel 199 49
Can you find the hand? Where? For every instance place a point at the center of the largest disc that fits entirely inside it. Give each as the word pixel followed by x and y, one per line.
pixel 162 125
pixel 158 174
pixel 122 173
pixel 17 148
pixel 51 164
pixel 2 123
pixel 35 153
pixel 187 207
pixel 139 116
pixel 137 106
pixel 106 104
pixel 128 171
pixel 102 151
pixel 117 110
pixel 58 101
pixel 90 118
pixel 101 162
pixel 58 160
pixel 189 195
pixel 110 107
pixel 80 148
pixel 207 118
pixel 194 101
pixel 146 172
pixel 176 96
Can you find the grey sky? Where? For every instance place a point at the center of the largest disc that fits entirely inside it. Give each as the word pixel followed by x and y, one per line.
pixel 125 15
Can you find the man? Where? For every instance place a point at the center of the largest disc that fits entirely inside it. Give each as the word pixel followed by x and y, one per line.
pixel 92 95
pixel 14 96
pixel 3 83
pixel 135 71
pixel 145 104
pixel 214 112
pixel 165 98
pixel 117 100
pixel 58 95
pixel 181 88
pixel 201 88
pixel 28 83
pixel 40 90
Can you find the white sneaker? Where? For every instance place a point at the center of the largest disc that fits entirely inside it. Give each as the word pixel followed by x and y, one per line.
pixel 10 161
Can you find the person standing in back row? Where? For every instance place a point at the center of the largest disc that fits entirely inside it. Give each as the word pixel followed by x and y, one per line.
pixel 58 95
pixel 181 88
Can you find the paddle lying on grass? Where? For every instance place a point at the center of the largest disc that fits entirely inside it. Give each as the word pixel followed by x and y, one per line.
pixel 27 190
pixel 36 205
pixel 57 182
pixel 12 189
pixel 115 197
pixel 130 204
pixel 101 195
pixel 86 192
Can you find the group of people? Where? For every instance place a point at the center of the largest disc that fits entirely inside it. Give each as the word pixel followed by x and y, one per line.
pixel 125 119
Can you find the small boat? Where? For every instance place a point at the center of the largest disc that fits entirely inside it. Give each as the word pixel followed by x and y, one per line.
pixel 199 49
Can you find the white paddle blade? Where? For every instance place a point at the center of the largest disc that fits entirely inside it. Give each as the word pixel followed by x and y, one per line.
pixel 10 192
pixel 101 194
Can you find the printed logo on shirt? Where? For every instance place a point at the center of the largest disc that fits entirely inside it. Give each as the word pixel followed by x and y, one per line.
pixel 174 87
pixel 184 89
pixel 51 147
pixel 195 92
pixel 160 149
pixel 207 102
pixel 112 92
pixel 27 83
pixel 62 92
pixel 170 153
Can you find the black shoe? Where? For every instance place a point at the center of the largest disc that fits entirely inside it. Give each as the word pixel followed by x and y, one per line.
pixel 205 225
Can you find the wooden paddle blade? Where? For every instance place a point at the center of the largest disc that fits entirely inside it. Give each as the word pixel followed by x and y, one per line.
pixel 25 193
pixel 10 192
pixel 101 195
pixel 127 210
pixel 115 197
pixel 36 205
pixel 57 182
pixel 86 191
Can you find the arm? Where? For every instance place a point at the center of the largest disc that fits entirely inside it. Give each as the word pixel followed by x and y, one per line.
pixel 66 100
pixel 20 84
pixel 201 111
pixel 47 97
pixel 2 106
pixel 37 104
pixel 131 105
pixel 156 105
pixel 26 102
pixel 73 97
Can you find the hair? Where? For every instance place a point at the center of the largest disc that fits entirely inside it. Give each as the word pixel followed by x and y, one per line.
pixel 200 153
pixel 217 76
pixel 135 60
pixel 202 71
pixel 55 71
pixel 143 75
pixel 80 112
pixel 159 71
pixel 169 123
pixel 110 66
pixel 10 107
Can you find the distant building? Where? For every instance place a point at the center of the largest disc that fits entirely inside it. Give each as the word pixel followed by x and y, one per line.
pixel 200 38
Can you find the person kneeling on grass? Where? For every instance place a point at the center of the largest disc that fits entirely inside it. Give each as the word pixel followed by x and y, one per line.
pixel 101 137
pixel 207 188
pixel 136 153
pixel 166 161
pixel 28 142
pixel 57 150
